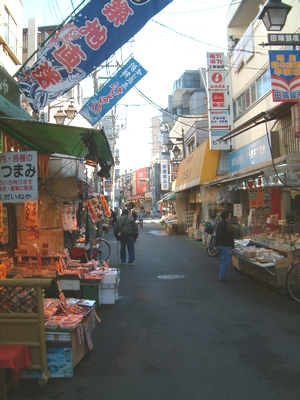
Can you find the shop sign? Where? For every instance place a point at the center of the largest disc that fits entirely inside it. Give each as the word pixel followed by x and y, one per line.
pixel 18 177
pixel 219 119
pixel 108 185
pixel 281 38
pixel 218 99
pixel 215 61
pixel 285 75
pixel 164 176
pixel 215 142
pixel 9 88
pixel 31 220
pixel 249 155
pixel 216 80
pixel 69 217
pixel 237 210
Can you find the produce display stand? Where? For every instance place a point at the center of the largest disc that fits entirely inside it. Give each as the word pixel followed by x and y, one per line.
pixel 273 273
pixel 20 325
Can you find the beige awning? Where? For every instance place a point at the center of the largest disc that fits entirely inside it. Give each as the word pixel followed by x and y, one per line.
pixel 198 167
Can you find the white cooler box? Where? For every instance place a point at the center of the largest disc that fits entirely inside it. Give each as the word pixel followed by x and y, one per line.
pixel 109 293
pixel 110 277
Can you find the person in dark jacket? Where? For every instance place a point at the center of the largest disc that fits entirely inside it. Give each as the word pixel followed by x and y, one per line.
pixel 113 217
pixel 129 234
pixel 224 242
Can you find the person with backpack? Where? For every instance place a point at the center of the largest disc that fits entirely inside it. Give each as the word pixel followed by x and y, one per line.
pixel 126 231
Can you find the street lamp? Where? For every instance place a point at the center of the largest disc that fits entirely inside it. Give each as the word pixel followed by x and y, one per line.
pixel 170 145
pixel 274 14
pixel 176 151
pixel 61 115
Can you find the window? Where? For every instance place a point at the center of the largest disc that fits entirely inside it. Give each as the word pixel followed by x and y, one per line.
pixel 10 31
pixel 256 90
pixel 253 92
pixel 247 98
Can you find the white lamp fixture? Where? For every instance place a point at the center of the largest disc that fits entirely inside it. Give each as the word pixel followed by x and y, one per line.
pixel 274 14
pixel 59 117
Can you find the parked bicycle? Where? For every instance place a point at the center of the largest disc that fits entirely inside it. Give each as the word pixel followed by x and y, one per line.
pixel 210 238
pixel 101 249
pixel 293 280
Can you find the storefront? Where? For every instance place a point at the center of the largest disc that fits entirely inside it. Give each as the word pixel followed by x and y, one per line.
pixel 264 194
pixel 198 167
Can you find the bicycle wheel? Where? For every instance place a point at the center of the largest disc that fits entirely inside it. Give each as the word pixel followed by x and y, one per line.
pixel 212 249
pixel 103 250
pixel 293 281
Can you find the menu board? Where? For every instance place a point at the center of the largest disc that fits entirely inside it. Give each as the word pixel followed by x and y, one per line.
pixel 260 205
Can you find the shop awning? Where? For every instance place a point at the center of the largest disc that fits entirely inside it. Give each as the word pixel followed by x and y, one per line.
pixel 169 196
pixel 47 138
pixel 277 112
pixel 198 167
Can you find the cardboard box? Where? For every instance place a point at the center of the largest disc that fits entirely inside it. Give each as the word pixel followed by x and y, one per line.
pixel 60 364
pixel 78 339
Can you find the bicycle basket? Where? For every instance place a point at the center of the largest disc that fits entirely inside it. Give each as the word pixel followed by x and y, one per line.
pixel 208 228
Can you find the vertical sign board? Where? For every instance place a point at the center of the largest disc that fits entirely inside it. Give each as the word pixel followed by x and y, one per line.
pixel 18 177
pixel 218 101
pixel 164 181
pixel 285 75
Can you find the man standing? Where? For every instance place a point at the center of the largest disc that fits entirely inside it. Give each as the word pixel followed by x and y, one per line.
pixel 225 242
pixel 129 234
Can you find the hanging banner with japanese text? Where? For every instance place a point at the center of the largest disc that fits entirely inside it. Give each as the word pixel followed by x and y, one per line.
pixel 87 39
pixel 31 219
pixel 285 75
pixel 18 177
pixel 69 217
pixel 95 209
pixel 98 105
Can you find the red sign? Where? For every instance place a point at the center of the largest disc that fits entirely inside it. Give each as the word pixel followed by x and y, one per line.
pixel 218 99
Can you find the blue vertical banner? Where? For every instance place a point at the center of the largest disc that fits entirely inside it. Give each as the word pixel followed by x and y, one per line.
pixel 87 39
pixel 113 91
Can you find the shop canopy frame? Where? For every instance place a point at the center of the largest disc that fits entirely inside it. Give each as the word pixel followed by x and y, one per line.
pixel 274 113
pixel 168 197
pixel 48 138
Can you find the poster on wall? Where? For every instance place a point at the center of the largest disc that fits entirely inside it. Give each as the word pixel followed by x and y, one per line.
pixel 18 177
pixel 31 220
pixel 69 217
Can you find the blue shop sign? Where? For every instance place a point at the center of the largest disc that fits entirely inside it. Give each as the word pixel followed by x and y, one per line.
pixel 249 155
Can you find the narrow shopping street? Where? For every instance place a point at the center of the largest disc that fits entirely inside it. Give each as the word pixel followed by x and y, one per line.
pixel 177 333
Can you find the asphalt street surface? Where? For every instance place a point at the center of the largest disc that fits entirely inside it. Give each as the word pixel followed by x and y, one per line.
pixel 177 333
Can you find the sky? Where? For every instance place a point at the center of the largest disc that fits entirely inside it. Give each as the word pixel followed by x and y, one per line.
pixel 175 40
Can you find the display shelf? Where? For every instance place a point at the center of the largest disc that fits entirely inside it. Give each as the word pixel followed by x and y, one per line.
pixel 26 327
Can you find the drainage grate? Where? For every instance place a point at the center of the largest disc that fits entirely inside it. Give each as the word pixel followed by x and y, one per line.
pixel 171 276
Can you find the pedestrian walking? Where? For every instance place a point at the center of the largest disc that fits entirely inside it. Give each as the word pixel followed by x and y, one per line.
pixel 225 242
pixel 113 217
pixel 126 231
